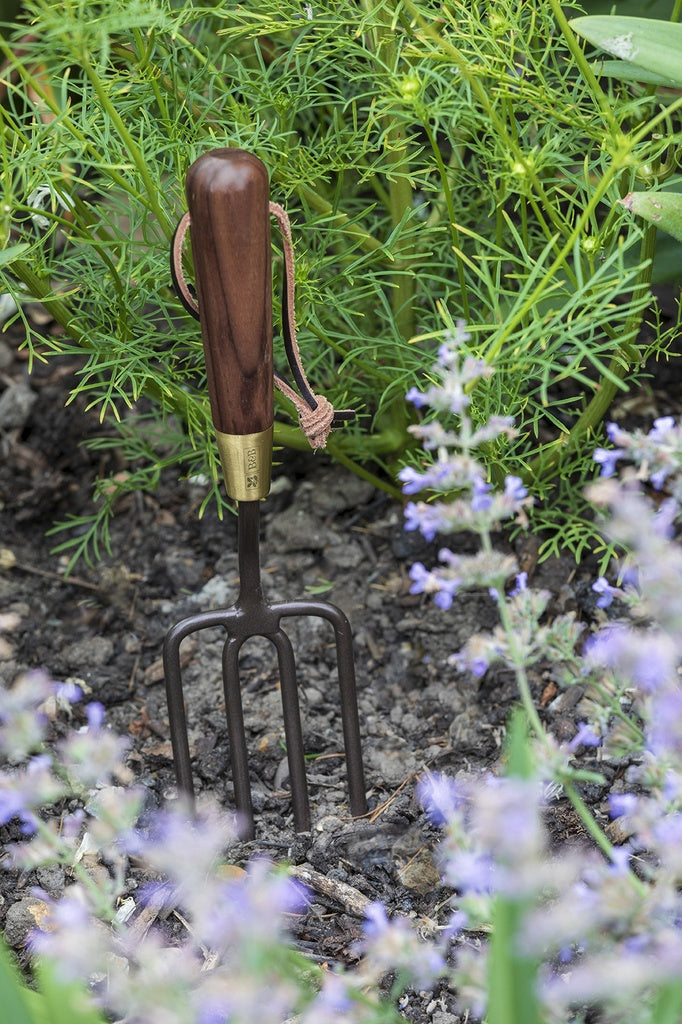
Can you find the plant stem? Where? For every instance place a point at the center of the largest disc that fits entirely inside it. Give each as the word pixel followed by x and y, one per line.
pixel 131 147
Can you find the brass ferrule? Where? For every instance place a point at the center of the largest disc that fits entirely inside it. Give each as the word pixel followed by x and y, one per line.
pixel 247 464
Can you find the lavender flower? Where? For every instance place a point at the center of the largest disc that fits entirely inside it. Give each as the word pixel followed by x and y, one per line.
pixel 393 945
pixel 606 592
pixel 607 458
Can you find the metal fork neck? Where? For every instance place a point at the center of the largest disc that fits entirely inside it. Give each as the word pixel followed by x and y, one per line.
pixel 248 552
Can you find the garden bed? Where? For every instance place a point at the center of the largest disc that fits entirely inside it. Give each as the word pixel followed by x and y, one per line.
pixel 324 531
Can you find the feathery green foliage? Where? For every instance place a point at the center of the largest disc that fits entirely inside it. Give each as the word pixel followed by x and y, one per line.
pixel 439 161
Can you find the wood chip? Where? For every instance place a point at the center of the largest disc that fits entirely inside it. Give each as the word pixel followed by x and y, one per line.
pixel 154 673
pixel 347 896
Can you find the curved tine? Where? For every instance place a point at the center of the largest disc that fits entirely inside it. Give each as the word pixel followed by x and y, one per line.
pixel 239 758
pixel 174 693
pixel 292 730
pixel 347 687
pixel 176 712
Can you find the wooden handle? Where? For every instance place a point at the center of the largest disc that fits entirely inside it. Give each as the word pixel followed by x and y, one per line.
pixel 227 195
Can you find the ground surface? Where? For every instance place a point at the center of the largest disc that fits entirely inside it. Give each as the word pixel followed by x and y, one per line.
pixel 105 627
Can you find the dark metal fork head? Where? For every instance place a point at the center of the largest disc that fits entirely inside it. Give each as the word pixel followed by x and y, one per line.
pixel 251 616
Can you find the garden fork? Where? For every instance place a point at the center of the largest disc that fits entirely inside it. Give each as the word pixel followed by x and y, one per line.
pixel 228 208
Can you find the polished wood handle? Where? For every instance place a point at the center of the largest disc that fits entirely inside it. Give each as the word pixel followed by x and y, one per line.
pixel 227 195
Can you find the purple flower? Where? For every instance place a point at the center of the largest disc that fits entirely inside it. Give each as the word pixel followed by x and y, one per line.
pixel 440 796
pixel 607 459
pixel 480 496
pixel 471 871
pixel 521 584
pixel 69 691
pixel 416 397
pixel 514 490
pixel 621 804
pixel 585 737
pixel 421 578
pixel 413 482
pixel 95 713
pixel 663 427
pixel 607 593
pixel 428 519
pixel 620 859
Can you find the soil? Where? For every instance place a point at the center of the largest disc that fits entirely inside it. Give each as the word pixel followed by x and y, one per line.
pixel 323 532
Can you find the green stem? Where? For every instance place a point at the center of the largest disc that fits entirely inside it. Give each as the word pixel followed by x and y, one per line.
pixel 131 146
pixel 517 661
pixel 583 64
pixel 447 193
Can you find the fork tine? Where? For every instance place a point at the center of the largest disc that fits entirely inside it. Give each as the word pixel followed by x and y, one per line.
pixel 292 731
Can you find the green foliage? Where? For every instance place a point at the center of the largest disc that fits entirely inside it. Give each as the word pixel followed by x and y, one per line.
pixel 55 1002
pixel 438 161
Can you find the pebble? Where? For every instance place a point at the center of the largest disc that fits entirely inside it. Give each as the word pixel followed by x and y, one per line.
pixel 23 917
pixel 296 530
pixel 336 492
pixel 52 878
pixel 93 650
pixel 16 403
pixel 346 555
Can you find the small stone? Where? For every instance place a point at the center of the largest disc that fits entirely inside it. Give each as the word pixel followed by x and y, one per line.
pixel 338 492
pixel 16 403
pixel 347 555
pixel 420 873
pixel 23 917
pixel 296 530
pixel 93 650
pixel 52 878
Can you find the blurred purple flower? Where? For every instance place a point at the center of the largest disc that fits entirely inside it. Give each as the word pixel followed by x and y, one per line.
pixel 416 397
pixel 585 737
pixel 472 871
pixel 521 584
pixel 412 480
pixel 95 714
pixel 514 490
pixel 607 459
pixel 664 732
pixel 607 593
pixel 69 691
pixel 621 804
pixel 663 427
pixel 481 499
pixel 440 796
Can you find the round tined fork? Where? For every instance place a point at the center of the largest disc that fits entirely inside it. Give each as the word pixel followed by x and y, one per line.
pixel 228 199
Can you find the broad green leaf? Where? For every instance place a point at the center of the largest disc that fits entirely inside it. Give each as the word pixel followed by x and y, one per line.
pixel 625 72
pixel 14 1007
pixel 655 46
pixel 664 209
pixel 12 252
